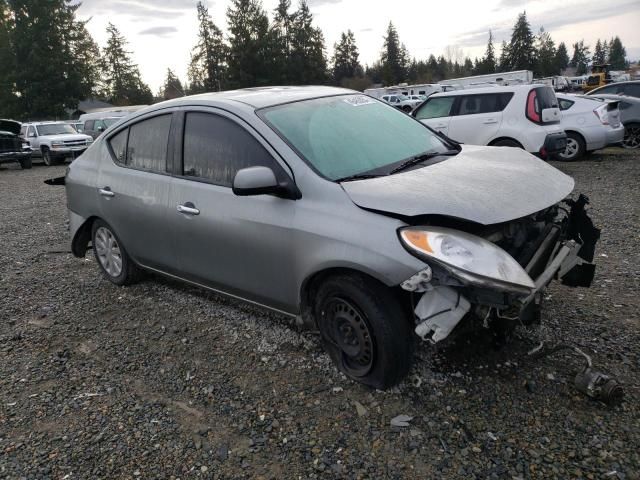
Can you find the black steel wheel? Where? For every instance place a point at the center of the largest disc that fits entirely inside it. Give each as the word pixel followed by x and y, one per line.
pixel 364 329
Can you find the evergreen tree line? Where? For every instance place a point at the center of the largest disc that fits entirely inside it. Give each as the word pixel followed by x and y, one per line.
pixel 49 60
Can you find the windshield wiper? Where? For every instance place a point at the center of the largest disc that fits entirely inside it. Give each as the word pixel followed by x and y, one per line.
pixel 423 157
pixel 358 176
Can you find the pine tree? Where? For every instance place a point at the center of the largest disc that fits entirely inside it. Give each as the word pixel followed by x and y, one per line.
pixel 599 56
pixel 345 58
pixel 545 55
pixel 521 48
pixel 172 87
pixel 617 54
pixel 280 42
pixel 394 58
pixel 52 55
pixel 488 63
pixel 8 97
pixel 208 67
pixel 580 58
pixel 308 63
pixel 249 44
pixel 504 62
pixel 562 57
pixel 122 82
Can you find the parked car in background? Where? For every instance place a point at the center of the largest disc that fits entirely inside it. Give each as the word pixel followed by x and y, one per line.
pixel 77 125
pixel 12 147
pixel 524 116
pixel 54 141
pixel 334 208
pixel 97 122
pixel 401 102
pixel 630 116
pixel 590 124
pixel 630 89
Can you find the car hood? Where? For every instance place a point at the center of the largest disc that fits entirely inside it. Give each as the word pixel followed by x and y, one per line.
pixel 485 185
pixel 10 126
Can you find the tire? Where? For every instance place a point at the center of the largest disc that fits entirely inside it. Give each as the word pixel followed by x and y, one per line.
pixel 26 163
pixel 406 109
pixel 364 330
pixel 46 157
pixel 506 142
pixel 575 150
pixel 115 263
pixel 631 136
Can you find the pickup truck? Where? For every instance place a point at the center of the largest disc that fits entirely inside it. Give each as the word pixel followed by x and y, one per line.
pixel 55 141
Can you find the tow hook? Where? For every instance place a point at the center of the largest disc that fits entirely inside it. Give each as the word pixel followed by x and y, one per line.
pixel 589 381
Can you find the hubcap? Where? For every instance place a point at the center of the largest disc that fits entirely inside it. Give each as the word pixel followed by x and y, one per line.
pixel 631 137
pixel 571 150
pixel 108 252
pixel 350 333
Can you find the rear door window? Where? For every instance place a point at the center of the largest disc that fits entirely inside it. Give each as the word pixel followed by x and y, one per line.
pixel 147 145
pixel 632 89
pixel 435 108
pixel 215 148
pixel 485 103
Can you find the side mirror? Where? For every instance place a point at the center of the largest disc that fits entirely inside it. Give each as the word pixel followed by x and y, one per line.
pixel 32 135
pixel 262 181
pixel 101 128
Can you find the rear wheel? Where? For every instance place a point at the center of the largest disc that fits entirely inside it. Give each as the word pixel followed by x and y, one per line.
pixel 114 262
pixel 364 330
pixel 631 136
pixel 575 148
pixel 25 163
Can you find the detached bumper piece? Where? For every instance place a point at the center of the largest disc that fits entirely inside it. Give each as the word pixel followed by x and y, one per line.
pixel 554 143
pixel 440 309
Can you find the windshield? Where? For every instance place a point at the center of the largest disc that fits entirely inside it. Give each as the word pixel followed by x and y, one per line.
pixel 351 134
pixel 55 129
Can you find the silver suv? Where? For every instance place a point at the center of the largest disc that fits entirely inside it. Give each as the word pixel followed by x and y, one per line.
pixel 332 207
pixel 54 141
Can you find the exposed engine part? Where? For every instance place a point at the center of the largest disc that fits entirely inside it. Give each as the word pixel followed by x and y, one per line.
pixel 419 282
pixel 439 310
pixel 592 383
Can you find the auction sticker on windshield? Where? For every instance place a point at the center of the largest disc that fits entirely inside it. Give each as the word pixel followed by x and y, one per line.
pixel 359 100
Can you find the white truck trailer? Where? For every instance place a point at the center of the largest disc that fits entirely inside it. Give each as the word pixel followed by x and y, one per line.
pixel 518 77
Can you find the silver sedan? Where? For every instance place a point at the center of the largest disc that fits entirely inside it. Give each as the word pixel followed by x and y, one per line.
pixel 334 208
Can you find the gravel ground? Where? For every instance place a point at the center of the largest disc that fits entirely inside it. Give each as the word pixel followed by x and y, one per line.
pixel 162 380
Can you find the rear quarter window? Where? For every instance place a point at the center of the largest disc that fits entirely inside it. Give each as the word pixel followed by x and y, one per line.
pixel 565 104
pixel 118 144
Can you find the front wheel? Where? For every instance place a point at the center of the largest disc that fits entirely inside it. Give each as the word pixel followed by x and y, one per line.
pixel 631 136
pixel 25 163
pixel 364 330
pixel 47 158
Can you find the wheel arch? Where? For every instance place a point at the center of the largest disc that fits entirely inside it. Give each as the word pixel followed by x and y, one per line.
pixel 311 283
pixel 82 237
pixel 499 139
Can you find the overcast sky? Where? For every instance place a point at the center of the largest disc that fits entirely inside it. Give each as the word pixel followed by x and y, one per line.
pixel 162 33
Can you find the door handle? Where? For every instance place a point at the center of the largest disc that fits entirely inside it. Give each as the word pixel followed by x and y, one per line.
pixel 490 121
pixel 106 192
pixel 188 208
pixel 442 125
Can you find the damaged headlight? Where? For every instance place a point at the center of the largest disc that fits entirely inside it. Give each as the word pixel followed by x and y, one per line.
pixel 471 259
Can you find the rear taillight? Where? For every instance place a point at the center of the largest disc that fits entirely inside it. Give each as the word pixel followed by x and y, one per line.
pixel 601 113
pixel 532 113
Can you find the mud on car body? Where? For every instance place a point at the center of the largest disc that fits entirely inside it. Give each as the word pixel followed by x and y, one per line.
pixel 334 208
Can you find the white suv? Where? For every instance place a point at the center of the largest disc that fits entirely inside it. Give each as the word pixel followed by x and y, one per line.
pixel 54 141
pixel 524 116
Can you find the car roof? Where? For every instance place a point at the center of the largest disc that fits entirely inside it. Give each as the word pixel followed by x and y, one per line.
pixel 46 122
pixel 497 89
pixel 261 97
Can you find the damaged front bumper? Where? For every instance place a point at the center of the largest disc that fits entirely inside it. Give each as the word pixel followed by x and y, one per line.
pixel 565 251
